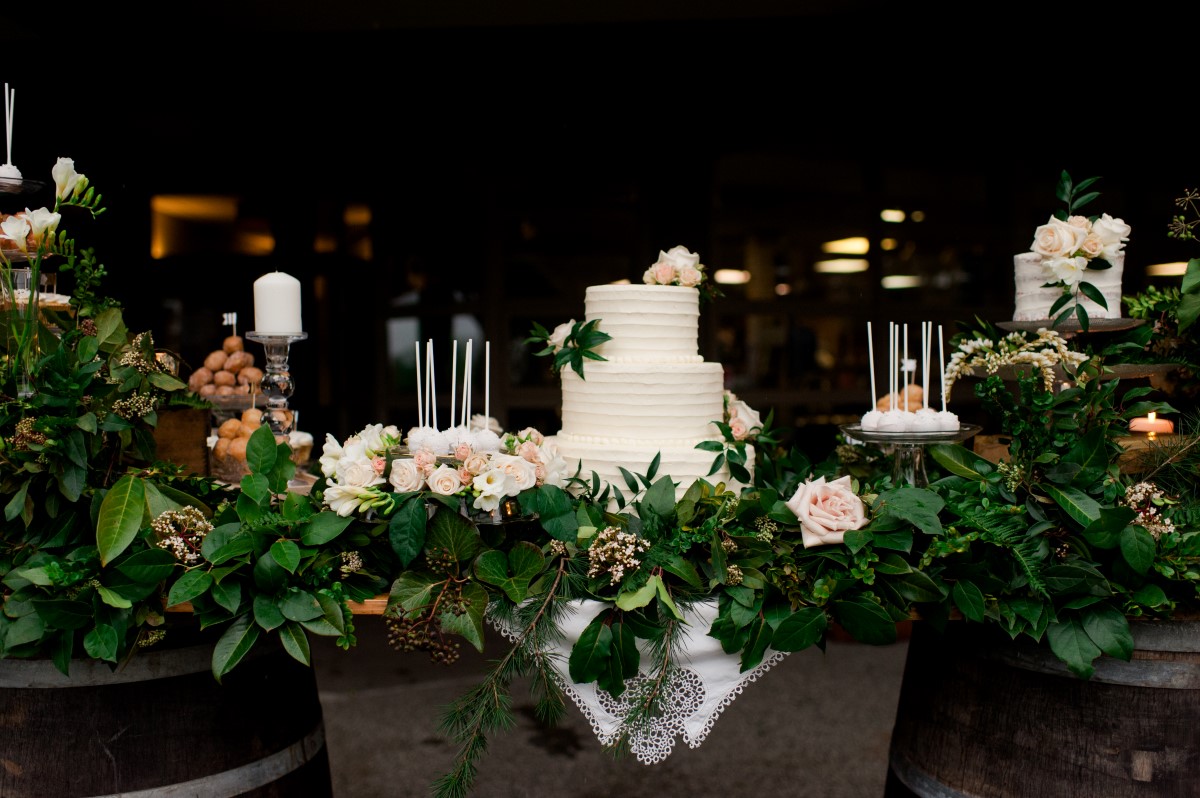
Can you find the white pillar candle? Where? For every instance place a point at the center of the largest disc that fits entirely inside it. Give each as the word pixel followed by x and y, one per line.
pixel 277 305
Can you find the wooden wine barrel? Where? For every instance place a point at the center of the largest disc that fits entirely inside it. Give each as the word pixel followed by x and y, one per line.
pixel 982 716
pixel 162 727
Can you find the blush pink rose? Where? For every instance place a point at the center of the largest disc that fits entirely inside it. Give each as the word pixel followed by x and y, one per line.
pixel 664 273
pixel 826 510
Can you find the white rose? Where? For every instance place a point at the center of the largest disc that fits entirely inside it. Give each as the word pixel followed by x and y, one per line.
pixel 1067 269
pixel 1092 248
pixel 372 438
pixel 522 472
pixel 1113 233
pixel 1057 239
pixel 559 335
pixel 557 470
pixel 444 480
pixel 405 477
pixel 357 472
pixel 680 258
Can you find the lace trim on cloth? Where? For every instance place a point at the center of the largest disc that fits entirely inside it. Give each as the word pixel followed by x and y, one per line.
pixel 696 692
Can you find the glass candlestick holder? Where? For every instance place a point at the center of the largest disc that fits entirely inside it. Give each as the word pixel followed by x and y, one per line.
pixel 277 383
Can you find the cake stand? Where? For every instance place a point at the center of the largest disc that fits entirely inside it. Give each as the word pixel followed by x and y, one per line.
pixel 1070 326
pixel 908 448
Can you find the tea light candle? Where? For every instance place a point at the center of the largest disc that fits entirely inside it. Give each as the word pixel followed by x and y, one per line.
pixel 277 304
pixel 1152 424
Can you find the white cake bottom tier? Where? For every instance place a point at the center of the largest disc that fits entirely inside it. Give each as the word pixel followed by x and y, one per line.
pixel 1033 301
pixel 667 403
pixel 684 464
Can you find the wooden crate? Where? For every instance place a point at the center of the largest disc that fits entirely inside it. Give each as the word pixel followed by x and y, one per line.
pixel 182 437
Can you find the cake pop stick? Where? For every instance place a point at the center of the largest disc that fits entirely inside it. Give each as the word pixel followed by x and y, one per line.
pixel 871 359
pixel 926 335
pixel 420 405
pixel 453 378
pixel 10 110
pixel 904 369
pixel 942 363
pixel 487 379
pixel 466 399
pixel 430 399
pixel 891 365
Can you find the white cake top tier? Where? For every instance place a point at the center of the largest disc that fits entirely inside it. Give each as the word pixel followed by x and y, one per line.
pixel 648 323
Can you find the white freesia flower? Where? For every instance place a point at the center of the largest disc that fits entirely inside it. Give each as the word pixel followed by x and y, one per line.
pixel 331 452
pixel 66 179
pixel 16 229
pixel 345 499
pixel 493 482
pixel 372 438
pixel 356 468
pixel 487 502
pixel 41 222
pixel 405 477
pixel 557 470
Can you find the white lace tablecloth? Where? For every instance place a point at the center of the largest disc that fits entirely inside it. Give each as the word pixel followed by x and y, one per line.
pixel 706 681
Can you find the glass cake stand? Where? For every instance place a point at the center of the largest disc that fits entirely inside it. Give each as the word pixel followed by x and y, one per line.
pixel 908 448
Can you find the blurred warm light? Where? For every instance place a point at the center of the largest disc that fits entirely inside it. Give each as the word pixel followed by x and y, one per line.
pixel 901 281
pixel 619 282
pixel 892 215
pixel 917 216
pixel 782 289
pixel 324 244
pixel 1167 269
pixel 253 242
pixel 196 208
pixel 357 215
pixel 731 276
pixel 841 266
pixel 888 244
pixel 855 245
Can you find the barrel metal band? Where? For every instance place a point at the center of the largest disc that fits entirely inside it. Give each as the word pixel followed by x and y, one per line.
pixel 239 780
pixel 920 782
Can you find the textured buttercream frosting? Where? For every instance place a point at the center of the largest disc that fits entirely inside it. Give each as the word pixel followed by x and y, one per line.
pixel 652 396
pixel 1034 299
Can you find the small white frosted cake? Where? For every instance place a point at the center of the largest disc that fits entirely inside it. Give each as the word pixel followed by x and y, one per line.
pixel 1034 297
pixel 652 395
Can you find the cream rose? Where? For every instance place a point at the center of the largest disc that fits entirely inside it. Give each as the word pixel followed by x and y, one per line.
pixel 559 335
pixel 531 434
pixel 749 417
pixel 1092 248
pixel 1113 233
pixel 357 472
pixel 663 273
pixel 405 477
pixel 1057 239
pixel 680 258
pixel 477 463
pixel 826 510
pixel 445 481
pixel 522 472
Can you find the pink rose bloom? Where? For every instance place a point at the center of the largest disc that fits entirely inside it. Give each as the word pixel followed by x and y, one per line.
pixel 1082 222
pixel 826 510
pixel 462 451
pixel 477 463
pixel 529 451
pixel 664 273
pixel 1092 247
pixel 738 428
pixel 465 475
pixel 425 461
pixel 531 434
pixel 379 464
pixel 690 277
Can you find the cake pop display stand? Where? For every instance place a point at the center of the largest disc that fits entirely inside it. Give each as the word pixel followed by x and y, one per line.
pixel 908 448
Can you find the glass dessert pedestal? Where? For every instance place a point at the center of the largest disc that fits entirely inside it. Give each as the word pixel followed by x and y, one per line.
pixel 908 448
pixel 277 384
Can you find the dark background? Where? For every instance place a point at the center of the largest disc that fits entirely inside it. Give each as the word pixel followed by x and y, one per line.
pixel 513 154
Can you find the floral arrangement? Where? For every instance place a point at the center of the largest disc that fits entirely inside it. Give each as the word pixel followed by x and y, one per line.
pixel 680 266
pixel 570 343
pixel 1070 245
pixel 1043 351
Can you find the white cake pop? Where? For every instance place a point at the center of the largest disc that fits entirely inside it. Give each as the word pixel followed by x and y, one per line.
pixel 870 420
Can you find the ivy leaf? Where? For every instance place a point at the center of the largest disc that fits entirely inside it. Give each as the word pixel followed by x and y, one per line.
pixel 406 530
pixel 513 573
pixel 101 643
pixel 120 517
pixel 453 534
pixel 411 591
pixel 1137 547
pixel 469 625
pixel 589 655
pixel 235 643
pixel 803 628
pixel 1071 643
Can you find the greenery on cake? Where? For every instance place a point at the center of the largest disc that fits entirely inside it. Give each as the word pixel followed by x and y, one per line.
pixel 570 343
